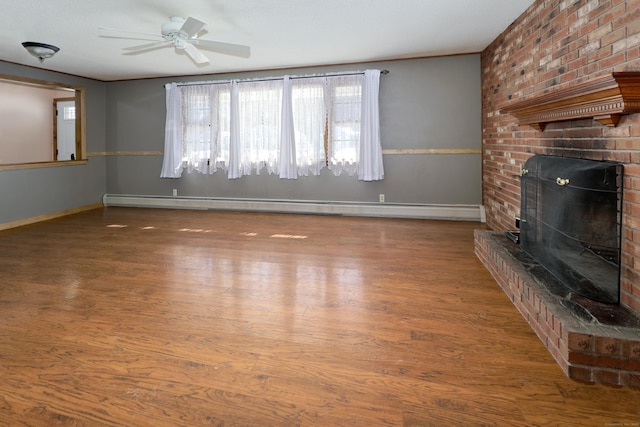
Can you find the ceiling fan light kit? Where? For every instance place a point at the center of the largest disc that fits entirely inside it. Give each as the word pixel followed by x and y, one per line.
pixel 182 34
pixel 41 51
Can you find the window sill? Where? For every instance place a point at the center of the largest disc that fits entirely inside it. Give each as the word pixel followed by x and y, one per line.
pixel 39 165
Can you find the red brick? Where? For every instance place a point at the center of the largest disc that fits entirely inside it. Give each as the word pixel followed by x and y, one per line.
pixel 606 345
pixel 580 373
pixel 631 349
pixel 606 376
pixel 581 342
pixel 630 379
pixel 610 61
pixel 603 361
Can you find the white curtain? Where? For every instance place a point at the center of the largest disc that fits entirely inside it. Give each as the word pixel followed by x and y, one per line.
pixel 235 171
pixel 259 111
pixel 196 129
pixel 222 105
pixel 344 114
pixel 200 128
pixel 370 167
pixel 309 118
pixel 172 161
pixel 291 127
pixel 288 168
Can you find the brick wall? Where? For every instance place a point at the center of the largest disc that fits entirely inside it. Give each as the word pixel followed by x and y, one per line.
pixel 554 44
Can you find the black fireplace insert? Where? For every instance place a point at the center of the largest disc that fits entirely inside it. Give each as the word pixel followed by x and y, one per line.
pixel 571 222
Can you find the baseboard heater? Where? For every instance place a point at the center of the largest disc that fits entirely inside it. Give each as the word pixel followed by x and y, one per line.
pixel 391 210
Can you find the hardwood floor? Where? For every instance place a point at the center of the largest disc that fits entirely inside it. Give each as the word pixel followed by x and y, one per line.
pixel 142 317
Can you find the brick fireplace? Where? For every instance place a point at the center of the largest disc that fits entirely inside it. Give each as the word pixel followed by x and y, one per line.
pixel 557 45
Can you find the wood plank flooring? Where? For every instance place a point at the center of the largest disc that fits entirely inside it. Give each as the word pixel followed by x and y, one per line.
pixel 143 317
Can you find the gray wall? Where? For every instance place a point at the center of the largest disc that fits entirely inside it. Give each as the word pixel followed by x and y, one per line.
pixel 424 103
pixel 29 193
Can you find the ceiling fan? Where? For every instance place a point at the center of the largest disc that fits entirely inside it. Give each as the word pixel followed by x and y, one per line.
pixel 183 35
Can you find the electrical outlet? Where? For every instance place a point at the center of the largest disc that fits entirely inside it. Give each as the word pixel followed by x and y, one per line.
pixel 381 198
pixel 175 191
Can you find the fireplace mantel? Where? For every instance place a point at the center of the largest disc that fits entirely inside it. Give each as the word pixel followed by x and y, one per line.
pixel 605 99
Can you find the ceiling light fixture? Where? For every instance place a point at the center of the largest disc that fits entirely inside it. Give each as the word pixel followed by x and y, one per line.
pixel 41 51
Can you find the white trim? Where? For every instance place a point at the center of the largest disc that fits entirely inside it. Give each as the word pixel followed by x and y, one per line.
pixel 391 210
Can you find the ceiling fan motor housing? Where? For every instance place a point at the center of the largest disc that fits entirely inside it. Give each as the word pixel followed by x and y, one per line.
pixel 171 30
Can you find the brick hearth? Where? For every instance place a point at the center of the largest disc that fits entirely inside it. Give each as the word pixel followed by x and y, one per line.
pixel 587 351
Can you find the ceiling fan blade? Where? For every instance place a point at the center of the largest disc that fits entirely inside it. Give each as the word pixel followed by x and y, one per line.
pixel 118 34
pixel 195 54
pixel 221 47
pixel 155 45
pixel 191 27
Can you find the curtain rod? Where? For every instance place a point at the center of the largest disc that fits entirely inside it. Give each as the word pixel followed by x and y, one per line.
pixel 264 79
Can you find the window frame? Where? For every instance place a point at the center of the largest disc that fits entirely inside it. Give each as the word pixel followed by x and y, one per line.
pixel 80 134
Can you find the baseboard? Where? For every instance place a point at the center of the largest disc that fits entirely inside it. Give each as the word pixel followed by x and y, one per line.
pixel 48 216
pixel 391 210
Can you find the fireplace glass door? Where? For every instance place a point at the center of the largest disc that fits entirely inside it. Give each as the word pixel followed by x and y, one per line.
pixel 571 212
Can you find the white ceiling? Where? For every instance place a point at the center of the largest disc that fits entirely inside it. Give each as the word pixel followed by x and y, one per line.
pixel 281 33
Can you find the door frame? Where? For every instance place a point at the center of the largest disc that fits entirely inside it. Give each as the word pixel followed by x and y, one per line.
pixel 55 126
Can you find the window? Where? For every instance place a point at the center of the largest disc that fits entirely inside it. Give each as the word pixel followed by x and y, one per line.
pixel 259 114
pixel 309 122
pixel 198 148
pixel 344 124
pixel 244 127
pixel 69 113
